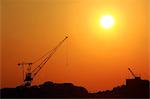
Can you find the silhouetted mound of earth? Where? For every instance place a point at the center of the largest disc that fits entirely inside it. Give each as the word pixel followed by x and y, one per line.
pixel 134 88
pixel 45 90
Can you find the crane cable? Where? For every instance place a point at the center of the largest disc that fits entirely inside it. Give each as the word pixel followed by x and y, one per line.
pixel 42 56
pixel 47 58
pixel 47 52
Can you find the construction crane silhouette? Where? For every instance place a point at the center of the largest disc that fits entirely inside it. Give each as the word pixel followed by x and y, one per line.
pixel 29 76
pixel 135 77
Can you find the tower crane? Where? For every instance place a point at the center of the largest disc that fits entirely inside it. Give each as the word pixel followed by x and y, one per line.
pixel 135 77
pixel 29 76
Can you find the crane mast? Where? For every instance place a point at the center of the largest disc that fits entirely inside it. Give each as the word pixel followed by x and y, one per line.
pixel 31 74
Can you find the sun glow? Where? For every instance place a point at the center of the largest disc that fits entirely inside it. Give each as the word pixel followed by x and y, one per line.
pixel 107 21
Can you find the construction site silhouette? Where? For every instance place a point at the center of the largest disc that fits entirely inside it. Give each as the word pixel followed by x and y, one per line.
pixel 134 88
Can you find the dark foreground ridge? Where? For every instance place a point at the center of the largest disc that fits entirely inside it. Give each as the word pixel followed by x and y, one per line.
pixel 134 88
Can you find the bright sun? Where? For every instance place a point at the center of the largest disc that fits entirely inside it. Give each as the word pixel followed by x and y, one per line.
pixel 107 21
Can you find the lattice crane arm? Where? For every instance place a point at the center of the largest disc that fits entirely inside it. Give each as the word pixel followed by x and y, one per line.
pixel 40 66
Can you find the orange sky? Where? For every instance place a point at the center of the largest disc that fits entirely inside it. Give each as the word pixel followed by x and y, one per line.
pixel 97 58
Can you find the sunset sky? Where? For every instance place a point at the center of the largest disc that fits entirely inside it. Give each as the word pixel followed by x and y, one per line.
pixel 93 57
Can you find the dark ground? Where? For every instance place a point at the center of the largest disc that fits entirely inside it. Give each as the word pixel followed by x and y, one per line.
pixel 134 88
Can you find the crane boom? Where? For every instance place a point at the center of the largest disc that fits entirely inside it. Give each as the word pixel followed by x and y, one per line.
pixel 132 72
pixel 31 74
pixel 36 70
